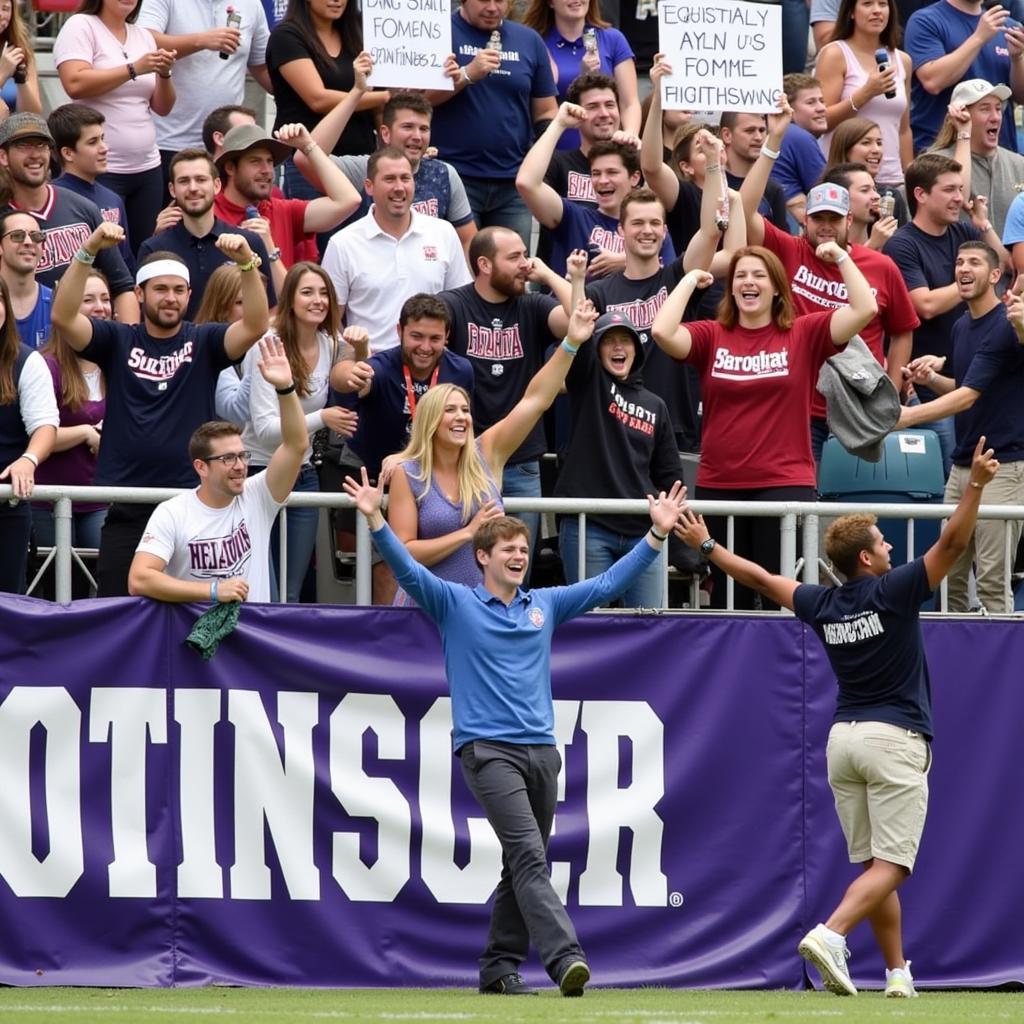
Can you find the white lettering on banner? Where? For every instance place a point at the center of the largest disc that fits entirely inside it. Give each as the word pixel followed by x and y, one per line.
pixel 409 41
pixel 750 367
pixel 274 784
pixel 124 716
pixel 725 55
pixel 367 796
pixel 281 795
pixel 864 626
pixel 55 713
pixel 199 874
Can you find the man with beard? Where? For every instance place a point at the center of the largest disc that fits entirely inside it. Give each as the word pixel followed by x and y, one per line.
pixel 504 331
pixel 194 185
pixel 405 124
pixel 817 284
pixel 161 377
pixel 20 251
pixel 213 543
pixel 614 170
pixel 984 392
pixel 246 164
pixel 391 253
pixel 65 218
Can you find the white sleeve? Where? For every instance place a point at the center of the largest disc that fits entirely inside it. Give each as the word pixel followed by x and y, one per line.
pixel 264 409
pixel 335 264
pixel 37 402
pixel 231 399
pixel 457 272
pixel 155 14
pixel 160 534
pixel 260 38
pixel 258 492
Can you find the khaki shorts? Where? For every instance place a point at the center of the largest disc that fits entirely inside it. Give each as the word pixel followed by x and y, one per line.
pixel 879 778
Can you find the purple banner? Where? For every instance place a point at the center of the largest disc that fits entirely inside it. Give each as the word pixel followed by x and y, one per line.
pixel 290 813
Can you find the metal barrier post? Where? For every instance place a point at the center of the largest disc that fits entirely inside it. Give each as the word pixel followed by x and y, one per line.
pixel 788 546
pixel 364 566
pixel 62 542
pixel 282 557
pixel 811 526
pixel 581 547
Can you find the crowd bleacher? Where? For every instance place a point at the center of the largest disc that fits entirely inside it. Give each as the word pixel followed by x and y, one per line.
pixel 385 237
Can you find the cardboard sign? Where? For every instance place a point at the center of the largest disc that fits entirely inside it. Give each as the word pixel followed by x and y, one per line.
pixel 408 41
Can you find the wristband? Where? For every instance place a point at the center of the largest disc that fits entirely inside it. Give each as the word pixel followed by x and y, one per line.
pixel 657 536
pixel 465 76
pixel 963 136
pixel 772 154
pixel 84 256
pixel 132 75
pixel 31 458
pixel 842 258
pixel 717 168
pixel 853 106
pixel 213 591
pixel 275 255
pixel 290 390
pixel 309 149
pixel 977 486
pixel 254 264
pixel 572 350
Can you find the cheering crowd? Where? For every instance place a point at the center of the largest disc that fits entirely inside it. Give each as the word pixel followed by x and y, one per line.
pixel 721 258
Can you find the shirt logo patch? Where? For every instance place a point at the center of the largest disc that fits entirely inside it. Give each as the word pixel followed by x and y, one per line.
pixel 536 617
pixel 430 253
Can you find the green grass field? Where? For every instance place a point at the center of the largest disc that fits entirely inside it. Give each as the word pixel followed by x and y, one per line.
pixel 644 1006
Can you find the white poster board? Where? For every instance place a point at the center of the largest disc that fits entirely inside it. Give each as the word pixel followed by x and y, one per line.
pixel 408 41
pixel 725 55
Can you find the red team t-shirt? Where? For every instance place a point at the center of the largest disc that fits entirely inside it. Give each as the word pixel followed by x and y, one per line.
pixel 817 285
pixel 756 387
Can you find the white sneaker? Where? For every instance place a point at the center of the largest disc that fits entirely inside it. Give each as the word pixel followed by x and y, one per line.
pixel 899 983
pixel 830 961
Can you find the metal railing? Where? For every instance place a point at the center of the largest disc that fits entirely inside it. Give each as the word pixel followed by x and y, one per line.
pixel 807 564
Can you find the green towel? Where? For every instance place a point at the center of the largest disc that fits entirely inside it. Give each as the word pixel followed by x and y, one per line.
pixel 212 626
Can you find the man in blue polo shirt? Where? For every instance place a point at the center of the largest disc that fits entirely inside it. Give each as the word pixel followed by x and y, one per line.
pixel 497 652
pixel 879 747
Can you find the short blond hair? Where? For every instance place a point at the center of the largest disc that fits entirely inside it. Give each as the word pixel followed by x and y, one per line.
pixel 847 537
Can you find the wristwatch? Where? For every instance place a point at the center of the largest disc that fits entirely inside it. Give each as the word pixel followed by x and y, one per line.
pixel 707 546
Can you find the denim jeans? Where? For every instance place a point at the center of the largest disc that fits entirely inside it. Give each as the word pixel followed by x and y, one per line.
pixel 796 20
pixel 523 481
pixel 302 525
pixel 604 547
pixel 497 203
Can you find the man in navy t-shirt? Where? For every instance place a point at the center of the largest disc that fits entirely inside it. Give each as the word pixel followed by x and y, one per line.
pixel 984 392
pixel 614 171
pixel 879 746
pixel 161 376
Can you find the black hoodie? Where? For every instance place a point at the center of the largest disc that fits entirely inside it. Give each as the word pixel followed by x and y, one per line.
pixel 621 442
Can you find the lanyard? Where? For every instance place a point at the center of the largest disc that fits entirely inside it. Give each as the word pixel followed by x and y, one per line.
pixel 410 393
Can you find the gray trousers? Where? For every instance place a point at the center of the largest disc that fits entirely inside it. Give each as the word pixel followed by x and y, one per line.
pixel 517 786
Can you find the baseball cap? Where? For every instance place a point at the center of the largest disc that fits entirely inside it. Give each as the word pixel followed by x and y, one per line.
pixel 975 89
pixel 828 197
pixel 608 321
pixel 244 137
pixel 24 125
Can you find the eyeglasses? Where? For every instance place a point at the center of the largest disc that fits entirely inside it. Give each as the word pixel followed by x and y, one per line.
pixel 30 144
pixel 19 235
pixel 231 459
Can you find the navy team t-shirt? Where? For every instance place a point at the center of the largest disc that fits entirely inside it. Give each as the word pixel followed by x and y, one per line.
pixel 871 630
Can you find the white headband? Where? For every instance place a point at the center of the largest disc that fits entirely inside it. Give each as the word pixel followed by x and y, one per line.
pixel 160 267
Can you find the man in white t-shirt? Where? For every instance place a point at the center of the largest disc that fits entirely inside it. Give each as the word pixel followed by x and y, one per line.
pixel 213 543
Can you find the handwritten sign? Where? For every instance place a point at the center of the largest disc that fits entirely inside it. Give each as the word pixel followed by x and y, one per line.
pixel 725 55
pixel 409 41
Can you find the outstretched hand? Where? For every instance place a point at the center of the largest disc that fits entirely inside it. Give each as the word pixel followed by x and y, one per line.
pixel 984 464
pixel 367 497
pixel 273 363
pixel 691 529
pixel 581 323
pixel 665 509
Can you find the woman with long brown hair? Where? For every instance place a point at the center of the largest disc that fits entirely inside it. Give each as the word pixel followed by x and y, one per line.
pixel 758 363
pixel 308 324
pixel 81 401
pixel 28 425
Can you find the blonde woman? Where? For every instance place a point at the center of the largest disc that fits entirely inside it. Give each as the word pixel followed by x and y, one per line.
pixel 444 485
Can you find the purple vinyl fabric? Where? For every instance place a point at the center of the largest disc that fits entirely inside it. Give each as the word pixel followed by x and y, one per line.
pixel 289 812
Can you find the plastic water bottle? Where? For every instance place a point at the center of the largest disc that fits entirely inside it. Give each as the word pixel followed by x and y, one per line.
pixel 590 40
pixel 234 21
pixel 494 43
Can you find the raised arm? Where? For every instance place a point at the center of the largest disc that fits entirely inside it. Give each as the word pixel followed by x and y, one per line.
pixel 862 309
pixel 780 589
pixel 658 176
pixel 701 249
pixel 754 184
pixel 953 541
pixel 287 459
pixel 244 333
pixel 668 329
pixel 558 318
pixel 504 437
pixel 67 300
pixel 340 199
pixel 544 202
